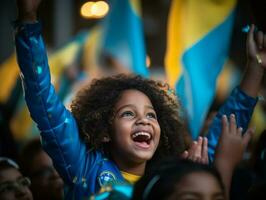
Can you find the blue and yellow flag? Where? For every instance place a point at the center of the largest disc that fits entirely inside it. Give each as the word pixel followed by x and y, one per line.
pixel 9 72
pixel 90 52
pixel 198 40
pixel 123 36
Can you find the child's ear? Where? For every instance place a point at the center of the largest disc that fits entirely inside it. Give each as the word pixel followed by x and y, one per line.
pixel 106 139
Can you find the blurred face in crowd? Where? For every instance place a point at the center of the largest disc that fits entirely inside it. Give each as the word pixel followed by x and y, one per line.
pixel 13 185
pixel 46 183
pixel 198 186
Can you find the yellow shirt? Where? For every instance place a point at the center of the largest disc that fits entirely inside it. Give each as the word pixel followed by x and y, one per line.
pixel 131 178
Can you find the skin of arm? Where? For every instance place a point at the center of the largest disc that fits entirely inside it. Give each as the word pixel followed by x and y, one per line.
pixel 230 149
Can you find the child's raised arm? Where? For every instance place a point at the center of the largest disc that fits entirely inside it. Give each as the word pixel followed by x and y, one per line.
pixel 230 149
pixel 59 130
pixel 243 98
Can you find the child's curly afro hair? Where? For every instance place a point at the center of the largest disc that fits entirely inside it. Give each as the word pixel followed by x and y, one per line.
pixel 94 105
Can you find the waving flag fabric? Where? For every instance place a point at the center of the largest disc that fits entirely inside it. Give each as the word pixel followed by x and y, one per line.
pixel 197 46
pixel 9 72
pixel 123 36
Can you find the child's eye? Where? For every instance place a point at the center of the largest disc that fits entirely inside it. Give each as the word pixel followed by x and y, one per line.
pixel 152 115
pixel 127 114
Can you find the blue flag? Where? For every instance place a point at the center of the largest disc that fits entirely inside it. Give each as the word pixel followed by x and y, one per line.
pixel 123 36
pixel 198 41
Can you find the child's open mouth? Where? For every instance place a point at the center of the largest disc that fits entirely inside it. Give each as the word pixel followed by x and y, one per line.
pixel 142 139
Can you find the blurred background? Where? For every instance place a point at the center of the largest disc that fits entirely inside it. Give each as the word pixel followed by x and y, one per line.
pixel 154 38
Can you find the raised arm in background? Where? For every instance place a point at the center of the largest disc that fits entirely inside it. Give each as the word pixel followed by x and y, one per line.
pixel 243 99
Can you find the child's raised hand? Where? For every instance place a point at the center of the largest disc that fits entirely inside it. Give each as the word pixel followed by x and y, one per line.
pixel 198 151
pixel 232 143
pixel 256 46
pixel 27 10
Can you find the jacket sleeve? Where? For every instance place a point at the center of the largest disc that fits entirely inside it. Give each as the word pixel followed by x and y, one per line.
pixel 239 104
pixel 59 131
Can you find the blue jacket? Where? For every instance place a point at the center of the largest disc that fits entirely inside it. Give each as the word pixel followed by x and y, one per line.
pixel 83 170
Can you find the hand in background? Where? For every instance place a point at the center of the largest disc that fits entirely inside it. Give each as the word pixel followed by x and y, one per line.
pixel 27 10
pixel 256 63
pixel 232 143
pixel 256 46
pixel 198 151
pixel 230 149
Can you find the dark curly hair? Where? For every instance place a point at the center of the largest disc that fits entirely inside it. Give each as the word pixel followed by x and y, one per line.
pixel 94 105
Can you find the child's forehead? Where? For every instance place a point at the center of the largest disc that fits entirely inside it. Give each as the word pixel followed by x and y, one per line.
pixel 133 96
pixel 133 92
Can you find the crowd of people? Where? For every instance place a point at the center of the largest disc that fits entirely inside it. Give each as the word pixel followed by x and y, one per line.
pixel 124 137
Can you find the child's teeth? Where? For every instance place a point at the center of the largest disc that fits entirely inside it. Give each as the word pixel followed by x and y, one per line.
pixel 141 133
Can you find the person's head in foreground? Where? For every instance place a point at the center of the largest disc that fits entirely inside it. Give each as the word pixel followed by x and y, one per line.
pixel 36 164
pixel 180 180
pixel 12 184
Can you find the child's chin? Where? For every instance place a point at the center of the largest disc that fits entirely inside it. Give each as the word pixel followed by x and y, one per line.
pixel 144 157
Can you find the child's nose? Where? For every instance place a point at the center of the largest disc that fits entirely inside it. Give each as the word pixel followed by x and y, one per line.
pixel 143 120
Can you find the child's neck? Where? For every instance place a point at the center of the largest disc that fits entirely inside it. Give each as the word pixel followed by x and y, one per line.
pixel 132 168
